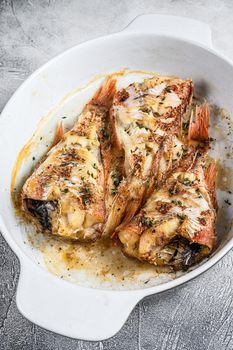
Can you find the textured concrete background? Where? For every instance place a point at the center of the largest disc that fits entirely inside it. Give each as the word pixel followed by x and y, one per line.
pixel 195 316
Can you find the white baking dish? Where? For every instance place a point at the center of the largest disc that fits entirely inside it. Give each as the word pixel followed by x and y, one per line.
pixel 165 44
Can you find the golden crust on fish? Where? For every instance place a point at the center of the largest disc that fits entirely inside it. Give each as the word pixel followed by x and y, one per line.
pixel 65 194
pixel 176 225
pixel 141 116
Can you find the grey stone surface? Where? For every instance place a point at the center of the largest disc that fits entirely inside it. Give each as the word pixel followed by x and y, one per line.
pixel 197 315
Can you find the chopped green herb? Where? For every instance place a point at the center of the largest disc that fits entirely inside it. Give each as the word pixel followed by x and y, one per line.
pixel 145 109
pixel 176 202
pixel 181 217
pixel 139 125
pixel 198 193
pixel 185 126
pixel 90 174
pixel 172 191
pixel 66 190
pixel 105 134
pixel 141 96
pixel 116 179
pixel 167 89
pixel 86 200
pixel 185 150
pixel 146 221
pixel 86 190
pixel 227 201
pixel 113 191
pixel 186 182
pixel 95 166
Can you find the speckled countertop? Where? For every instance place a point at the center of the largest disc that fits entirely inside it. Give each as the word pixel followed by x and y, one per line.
pixel 194 316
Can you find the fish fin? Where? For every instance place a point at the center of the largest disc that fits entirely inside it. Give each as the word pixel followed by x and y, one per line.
pixel 206 237
pixel 199 123
pixel 131 210
pixel 124 207
pixel 132 206
pixel 58 134
pixel 210 179
pixel 117 210
pixel 154 173
pixel 105 93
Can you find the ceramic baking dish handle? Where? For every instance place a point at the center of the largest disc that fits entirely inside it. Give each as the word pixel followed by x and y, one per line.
pixel 175 26
pixel 68 309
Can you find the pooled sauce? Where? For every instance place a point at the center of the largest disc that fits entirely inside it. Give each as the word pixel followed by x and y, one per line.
pixel 100 264
pixel 225 178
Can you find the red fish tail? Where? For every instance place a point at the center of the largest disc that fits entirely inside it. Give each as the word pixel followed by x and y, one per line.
pixel 199 124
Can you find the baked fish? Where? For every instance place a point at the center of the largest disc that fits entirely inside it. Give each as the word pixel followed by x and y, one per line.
pixel 145 118
pixel 176 226
pixel 65 195
pixel 134 167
